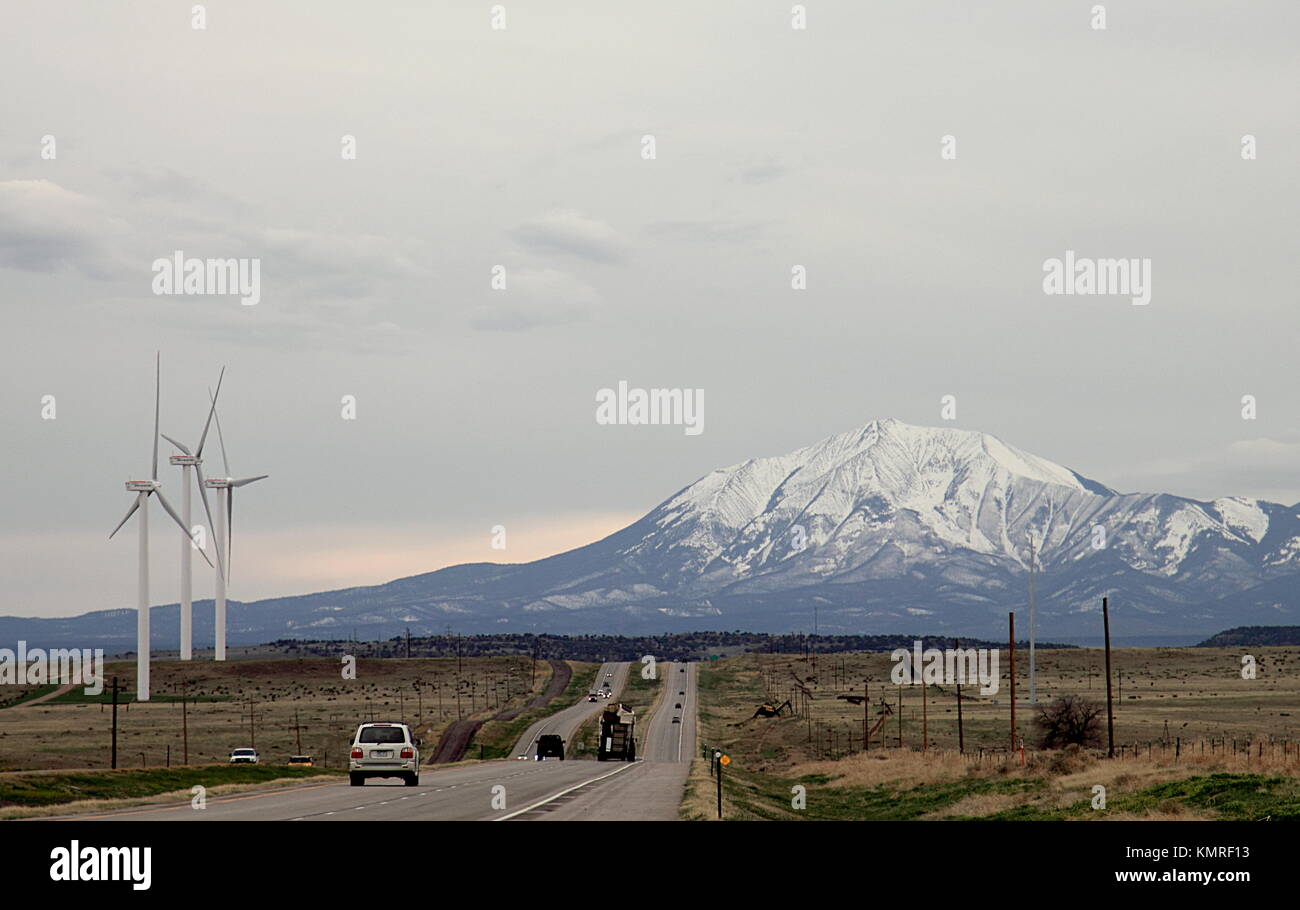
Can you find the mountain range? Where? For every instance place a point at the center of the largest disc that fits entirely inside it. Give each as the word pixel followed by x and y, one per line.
pixel 890 528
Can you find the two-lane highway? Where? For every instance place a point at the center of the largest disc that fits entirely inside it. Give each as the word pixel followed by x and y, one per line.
pixel 502 790
pixel 652 789
pixel 566 723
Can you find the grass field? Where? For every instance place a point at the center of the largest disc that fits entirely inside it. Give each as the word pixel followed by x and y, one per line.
pixel 280 707
pixel 1197 741
pixel 36 790
pixel 496 739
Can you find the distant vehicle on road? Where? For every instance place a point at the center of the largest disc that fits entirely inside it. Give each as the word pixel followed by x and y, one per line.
pixel 549 745
pixel 592 697
pixel 679 704
pixel 384 750
pixel 301 761
pixel 683 692
pixel 244 757
pixel 677 720
pixel 617 739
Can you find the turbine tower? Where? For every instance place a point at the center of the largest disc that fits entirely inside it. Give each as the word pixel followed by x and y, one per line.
pixel 192 462
pixel 225 487
pixel 143 489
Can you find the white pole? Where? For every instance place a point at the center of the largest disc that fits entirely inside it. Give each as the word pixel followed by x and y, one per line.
pixel 187 558
pixel 221 577
pixel 142 618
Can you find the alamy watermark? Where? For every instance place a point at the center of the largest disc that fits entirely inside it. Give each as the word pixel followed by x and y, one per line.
pixel 38 667
pixel 947 667
pixel 1099 277
pixel 633 406
pixel 181 276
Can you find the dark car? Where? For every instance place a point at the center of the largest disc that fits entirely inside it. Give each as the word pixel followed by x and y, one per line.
pixel 679 704
pixel 550 745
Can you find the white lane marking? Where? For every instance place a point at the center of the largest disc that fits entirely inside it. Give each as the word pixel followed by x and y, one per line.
pixel 682 726
pixel 556 796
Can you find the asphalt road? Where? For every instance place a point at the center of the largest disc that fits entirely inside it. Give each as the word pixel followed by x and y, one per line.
pixel 651 789
pixel 567 722
pixel 498 790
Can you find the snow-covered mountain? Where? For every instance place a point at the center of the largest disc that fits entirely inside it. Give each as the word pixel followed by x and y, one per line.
pixel 888 528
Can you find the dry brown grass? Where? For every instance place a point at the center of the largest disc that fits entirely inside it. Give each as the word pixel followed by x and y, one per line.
pixel 327 707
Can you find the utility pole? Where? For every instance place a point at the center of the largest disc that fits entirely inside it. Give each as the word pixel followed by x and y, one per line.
pixel 1012 617
pixel 961 735
pixel 114 759
pixel 1110 712
pixel 185 726
pixel 297 730
pixel 252 729
pixel 1033 626
pixel 408 642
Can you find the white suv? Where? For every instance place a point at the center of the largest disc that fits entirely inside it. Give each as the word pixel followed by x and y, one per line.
pixel 384 750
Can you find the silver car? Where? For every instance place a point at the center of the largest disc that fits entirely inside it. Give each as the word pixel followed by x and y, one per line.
pixel 384 750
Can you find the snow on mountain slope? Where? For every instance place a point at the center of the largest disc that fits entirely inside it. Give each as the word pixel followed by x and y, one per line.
pixel 875 502
pixel 887 528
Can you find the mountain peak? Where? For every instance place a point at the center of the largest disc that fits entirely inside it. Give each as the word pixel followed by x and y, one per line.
pixel 957 447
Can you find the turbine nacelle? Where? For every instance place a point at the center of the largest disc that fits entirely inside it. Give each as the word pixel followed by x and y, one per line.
pixel 217 483
pixel 143 486
pixel 185 460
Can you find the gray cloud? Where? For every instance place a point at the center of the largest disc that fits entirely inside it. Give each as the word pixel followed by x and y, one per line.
pixel 574 234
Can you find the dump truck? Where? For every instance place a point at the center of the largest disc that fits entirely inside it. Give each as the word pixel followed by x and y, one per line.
pixel 617 734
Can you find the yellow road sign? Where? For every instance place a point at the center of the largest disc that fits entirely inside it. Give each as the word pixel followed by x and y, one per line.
pixel 726 759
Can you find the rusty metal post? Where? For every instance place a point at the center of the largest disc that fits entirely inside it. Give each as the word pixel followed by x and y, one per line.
pixel 1110 711
pixel 1013 680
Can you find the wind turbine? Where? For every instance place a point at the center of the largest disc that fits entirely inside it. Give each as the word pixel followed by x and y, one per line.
pixel 225 527
pixel 143 489
pixel 192 461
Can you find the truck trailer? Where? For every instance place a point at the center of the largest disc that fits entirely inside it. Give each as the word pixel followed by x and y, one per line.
pixel 617 734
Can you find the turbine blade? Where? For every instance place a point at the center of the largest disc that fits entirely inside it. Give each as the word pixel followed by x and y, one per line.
pixel 175 443
pixel 225 462
pixel 203 493
pixel 180 524
pixel 247 480
pixel 135 504
pixel 212 410
pixel 157 394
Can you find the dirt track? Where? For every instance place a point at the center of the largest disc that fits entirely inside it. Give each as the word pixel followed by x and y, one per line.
pixel 456 738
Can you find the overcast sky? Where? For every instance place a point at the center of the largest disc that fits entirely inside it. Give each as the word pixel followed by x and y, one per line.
pixel 523 147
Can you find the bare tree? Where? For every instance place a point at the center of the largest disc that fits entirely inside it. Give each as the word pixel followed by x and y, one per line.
pixel 1070 719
